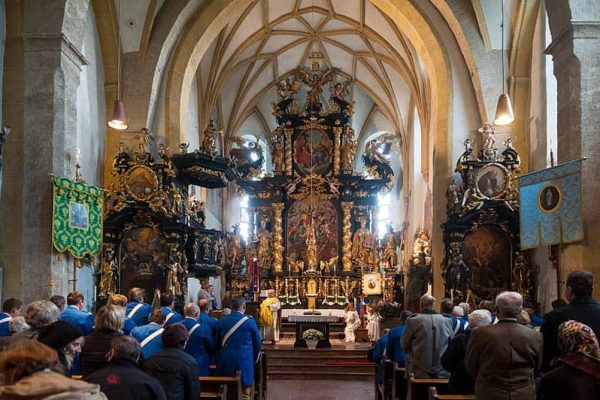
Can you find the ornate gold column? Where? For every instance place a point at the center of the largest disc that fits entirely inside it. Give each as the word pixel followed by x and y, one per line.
pixel 277 237
pixel 347 237
pixel 288 151
pixel 337 131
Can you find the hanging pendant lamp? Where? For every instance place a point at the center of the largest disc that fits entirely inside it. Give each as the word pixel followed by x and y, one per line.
pixel 117 119
pixel 504 111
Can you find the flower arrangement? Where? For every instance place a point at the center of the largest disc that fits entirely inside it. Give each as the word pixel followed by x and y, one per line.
pixel 312 334
pixel 389 310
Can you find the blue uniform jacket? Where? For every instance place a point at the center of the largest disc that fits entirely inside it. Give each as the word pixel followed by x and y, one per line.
pixel 142 332
pixel 129 325
pixel 201 345
pixel 173 319
pixel 141 315
pixel 379 353
pixel 4 325
pixel 241 350
pixel 394 351
pixel 79 318
pixel 458 325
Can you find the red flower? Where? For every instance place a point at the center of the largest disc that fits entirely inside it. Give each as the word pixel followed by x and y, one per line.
pixel 113 379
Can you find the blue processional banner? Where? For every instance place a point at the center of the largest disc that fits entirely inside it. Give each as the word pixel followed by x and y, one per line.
pixel 551 206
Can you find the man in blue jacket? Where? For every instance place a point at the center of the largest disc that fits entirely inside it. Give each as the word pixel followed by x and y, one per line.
pixel 240 344
pixel 201 344
pixel 149 335
pixel 167 305
pixel 10 308
pixel 136 308
pixel 75 315
pixel 394 351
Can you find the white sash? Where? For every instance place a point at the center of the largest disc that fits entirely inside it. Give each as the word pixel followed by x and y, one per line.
pixel 134 310
pixel 233 329
pixel 192 329
pixel 169 315
pixel 6 319
pixel 456 328
pixel 149 338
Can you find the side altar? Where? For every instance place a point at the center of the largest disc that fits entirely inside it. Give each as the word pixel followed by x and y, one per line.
pixel 313 236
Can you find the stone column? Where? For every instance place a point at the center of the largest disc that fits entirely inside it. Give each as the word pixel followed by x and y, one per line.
pixel 576 51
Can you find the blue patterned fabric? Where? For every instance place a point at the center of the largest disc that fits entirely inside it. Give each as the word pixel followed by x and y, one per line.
pixel 141 315
pixel 142 332
pixel 542 225
pixel 81 319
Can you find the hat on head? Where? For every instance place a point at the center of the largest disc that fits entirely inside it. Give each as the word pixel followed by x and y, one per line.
pixel 59 334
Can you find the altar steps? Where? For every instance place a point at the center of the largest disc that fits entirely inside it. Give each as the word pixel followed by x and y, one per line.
pixel 319 364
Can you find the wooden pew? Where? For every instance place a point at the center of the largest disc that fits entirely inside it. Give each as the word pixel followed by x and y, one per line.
pixel 418 389
pixel 213 384
pixel 260 377
pixel 387 389
pixel 433 395
pixel 401 382
pixel 220 395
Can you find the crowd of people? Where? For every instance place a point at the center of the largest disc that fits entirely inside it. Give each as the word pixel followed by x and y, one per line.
pixel 127 350
pixel 502 350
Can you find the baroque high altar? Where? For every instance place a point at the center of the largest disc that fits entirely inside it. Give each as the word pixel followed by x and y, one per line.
pixel 313 235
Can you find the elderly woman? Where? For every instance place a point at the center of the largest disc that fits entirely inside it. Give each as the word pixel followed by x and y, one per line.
pixel 576 375
pixel 66 339
pixel 28 370
pixel 109 324
pixel 38 315
pixel 453 360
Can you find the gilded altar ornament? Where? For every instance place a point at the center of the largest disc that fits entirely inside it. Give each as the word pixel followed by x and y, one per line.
pixel 108 272
pixel 337 132
pixel 277 237
pixel 453 199
pixel 358 239
pixel 391 241
pixel 247 157
pixel 456 274
pixel 264 251
pixel 141 183
pixel 288 151
pixel 312 254
pixel 346 237
pixel 348 151
pixel 209 139
pixel 277 152
pixel 234 253
pixel 522 275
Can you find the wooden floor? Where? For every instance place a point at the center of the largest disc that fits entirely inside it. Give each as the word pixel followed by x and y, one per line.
pixel 320 390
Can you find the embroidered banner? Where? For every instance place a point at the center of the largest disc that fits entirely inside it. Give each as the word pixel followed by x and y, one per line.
pixel 551 206
pixel 77 218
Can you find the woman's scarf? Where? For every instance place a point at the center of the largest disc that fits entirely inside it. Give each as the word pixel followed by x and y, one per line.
pixel 575 337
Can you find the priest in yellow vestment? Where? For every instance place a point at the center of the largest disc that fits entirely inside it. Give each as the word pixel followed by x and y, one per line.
pixel 269 317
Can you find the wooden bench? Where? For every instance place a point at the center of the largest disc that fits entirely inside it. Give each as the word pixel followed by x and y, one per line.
pixel 220 395
pixel 213 384
pixel 387 389
pixel 401 382
pixel 418 388
pixel 260 377
pixel 433 395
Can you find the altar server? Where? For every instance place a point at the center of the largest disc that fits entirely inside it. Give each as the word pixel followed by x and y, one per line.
pixel 240 343
pixel 75 315
pixel 352 322
pixel 10 308
pixel 201 344
pixel 167 305
pixel 136 308
pixel 149 335
pixel 269 312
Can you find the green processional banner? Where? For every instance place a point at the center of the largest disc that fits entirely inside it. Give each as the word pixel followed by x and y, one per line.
pixel 77 217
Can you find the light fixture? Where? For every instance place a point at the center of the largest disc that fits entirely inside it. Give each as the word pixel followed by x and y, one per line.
pixel 504 111
pixel 117 118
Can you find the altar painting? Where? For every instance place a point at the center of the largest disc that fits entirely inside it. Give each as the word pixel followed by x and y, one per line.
pixel 312 150
pixel 487 253
pixel 325 222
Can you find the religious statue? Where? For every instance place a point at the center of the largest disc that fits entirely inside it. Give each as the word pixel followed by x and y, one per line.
pixel 348 287
pixel 457 274
pixel 348 151
pixel 173 270
pixel 206 248
pixel 487 131
pixel 453 199
pixel 265 245
pixel 339 90
pixel 422 246
pixel 419 271
pixel 522 272
pixel 287 88
pixel 316 79
pixel 234 248
pixel 108 270
pixel 209 139
pixel 390 244
pixel 358 241
pixel 277 152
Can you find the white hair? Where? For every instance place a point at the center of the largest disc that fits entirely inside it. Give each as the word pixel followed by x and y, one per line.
pixel 509 304
pixel 480 318
pixel 458 311
pixel 466 307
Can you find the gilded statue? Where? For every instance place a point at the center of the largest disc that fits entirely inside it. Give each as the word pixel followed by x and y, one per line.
pixel 348 151
pixel 209 139
pixel 390 244
pixel 457 274
pixel 265 247
pixel 358 241
pixel 277 152
pixel 234 248
pixel 174 268
pixel 348 287
pixel 487 130
pixel 109 268
pixel 522 274
pixel 422 246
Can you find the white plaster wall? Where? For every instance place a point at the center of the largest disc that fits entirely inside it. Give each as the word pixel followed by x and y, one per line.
pixel 192 130
pixel 91 129
pixel 212 199
pixel 2 44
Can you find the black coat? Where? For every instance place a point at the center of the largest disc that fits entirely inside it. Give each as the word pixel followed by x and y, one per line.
pixel 94 350
pixel 123 379
pixel 583 309
pixel 453 361
pixel 568 382
pixel 177 372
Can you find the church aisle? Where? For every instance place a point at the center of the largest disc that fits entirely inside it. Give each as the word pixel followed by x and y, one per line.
pixel 323 390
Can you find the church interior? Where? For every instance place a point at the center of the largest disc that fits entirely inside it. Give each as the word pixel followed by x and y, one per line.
pixel 329 153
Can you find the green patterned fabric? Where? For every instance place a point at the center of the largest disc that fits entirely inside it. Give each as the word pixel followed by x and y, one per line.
pixel 77 218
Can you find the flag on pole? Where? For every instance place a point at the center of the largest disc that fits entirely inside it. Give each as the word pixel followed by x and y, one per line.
pixel 254 272
pixel 550 202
